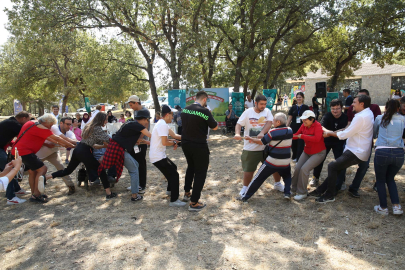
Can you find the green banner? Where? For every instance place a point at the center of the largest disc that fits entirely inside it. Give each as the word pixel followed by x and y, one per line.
pixel 271 95
pixel 238 103
pixel 87 104
pixel 329 97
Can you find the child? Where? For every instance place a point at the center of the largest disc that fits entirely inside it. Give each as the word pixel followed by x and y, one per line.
pixel 122 118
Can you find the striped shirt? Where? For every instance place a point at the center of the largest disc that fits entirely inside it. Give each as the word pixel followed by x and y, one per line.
pixel 280 156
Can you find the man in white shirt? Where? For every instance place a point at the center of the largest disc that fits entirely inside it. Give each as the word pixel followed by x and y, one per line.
pixel 55 112
pixel 359 137
pixel 50 152
pixel 257 122
pixel 93 114
pixel 249 102
pixel 157 154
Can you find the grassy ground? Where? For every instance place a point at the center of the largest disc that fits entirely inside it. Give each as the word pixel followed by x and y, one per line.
pixel 83 231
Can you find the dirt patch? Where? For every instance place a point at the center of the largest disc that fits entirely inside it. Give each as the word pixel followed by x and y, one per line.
pixel 83 231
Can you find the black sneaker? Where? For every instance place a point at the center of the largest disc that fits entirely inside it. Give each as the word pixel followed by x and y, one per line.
pixel 112 195
pixel 354 193
pixel 138 198
pixel 71 190
pixel 315 194
pixel 141 190
pixel 324 200
pixel 196 207
pixel 287 196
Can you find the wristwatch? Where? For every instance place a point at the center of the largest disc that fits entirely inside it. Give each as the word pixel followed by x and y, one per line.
pixel 174 142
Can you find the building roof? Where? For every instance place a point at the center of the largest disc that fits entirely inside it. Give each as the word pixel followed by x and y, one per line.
pixel 366 69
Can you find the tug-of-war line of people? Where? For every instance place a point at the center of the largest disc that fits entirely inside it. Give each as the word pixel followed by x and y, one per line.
pixel 267 140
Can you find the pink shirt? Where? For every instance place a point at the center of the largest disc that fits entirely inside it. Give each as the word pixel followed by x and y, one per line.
pixel 121 120
pixel 78 133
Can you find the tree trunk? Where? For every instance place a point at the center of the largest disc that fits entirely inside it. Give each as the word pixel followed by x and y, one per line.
pixel 64 102
pixel 152 85
pixel 238 73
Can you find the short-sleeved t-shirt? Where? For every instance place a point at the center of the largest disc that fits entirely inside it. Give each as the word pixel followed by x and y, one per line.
pixel 233 114
pixel 296 111
pixel 32 140
pixel 128 135
pixel 196 120
pixel 250 104
pixel 349 101
pixel 332 123
pixel 46 151
pixel 157 150
pixel 254 123
pixel 8 130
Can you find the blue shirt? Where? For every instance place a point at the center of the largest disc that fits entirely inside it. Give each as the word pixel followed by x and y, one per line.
pixel 280 156
pixel 390 136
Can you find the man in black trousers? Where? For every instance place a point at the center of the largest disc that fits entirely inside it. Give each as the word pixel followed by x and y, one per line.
pixel 196 120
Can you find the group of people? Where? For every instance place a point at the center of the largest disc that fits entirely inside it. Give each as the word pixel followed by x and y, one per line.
pixel 268 140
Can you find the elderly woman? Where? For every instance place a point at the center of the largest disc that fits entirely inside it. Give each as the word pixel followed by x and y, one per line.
pixel 32 136
pixel 314 153
pixel 93 134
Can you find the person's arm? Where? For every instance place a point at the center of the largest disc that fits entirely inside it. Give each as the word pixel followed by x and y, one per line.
pixel 265 129
pixel 98 146
pixel 211 122
pixel 174 135
pixel 68 139
pixel 58 140
pixel 289 120
pixel 350 130
pixel 167 142
pixel 11 169
pixel 146 132
pixel 228 114
pixel 313 138
pixel 238 128
pixel 253 140
pixel 298 133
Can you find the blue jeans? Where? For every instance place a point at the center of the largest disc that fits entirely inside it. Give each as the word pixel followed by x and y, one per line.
pixel 133 169
pixel 286 103
pixel 361 172
pixel 13 186
pixel 387 163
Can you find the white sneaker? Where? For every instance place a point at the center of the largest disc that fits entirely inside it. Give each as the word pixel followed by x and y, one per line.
pixel 343 187
pixel 278 186
pixel 15 200
pixel 299 197
pixel 168 193
pixel 314 182
pixel 177 203
pixel 129 188
pixel 381 211
pixel 243 191
pixel 41 184
pixel 397 210
pixel 22 192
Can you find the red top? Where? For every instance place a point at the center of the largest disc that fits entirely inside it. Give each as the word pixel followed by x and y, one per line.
pixel 313 144
pixel 32 140
pixel 373 107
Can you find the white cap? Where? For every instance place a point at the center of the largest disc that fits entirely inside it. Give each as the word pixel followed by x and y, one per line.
pixel 307 114
pixel 133 98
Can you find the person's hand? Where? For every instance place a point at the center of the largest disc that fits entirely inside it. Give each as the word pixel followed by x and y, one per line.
pixel 260 136
pixel 49 145
pixel 250 139
pixel 325 135
pixel 299 136
pixel 16 162
pixel 146 142
pixel 237 137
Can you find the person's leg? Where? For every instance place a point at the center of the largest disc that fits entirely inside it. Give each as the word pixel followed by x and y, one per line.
pixel 201 158
pixel 361 172
pixel 31 181
pixel 56 161
pixel 262 174
pixel 300 148
pixel 112 172
pixel 250 160
pixel 141 159
pixel 67 155
pixel 296 175
pixel 346 160
pixel 286 174
pixel 337 152
pixel 393 169
pixel 306 168
pixel 169 170
pixel 13 186
pixel 190 172
pixel 132 166
pixel 38 173
pixel 74 162
pixel 381 165
pixel 318 169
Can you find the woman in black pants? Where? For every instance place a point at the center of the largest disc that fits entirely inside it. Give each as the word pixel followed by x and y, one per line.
pixel 295 123
pixel 92 134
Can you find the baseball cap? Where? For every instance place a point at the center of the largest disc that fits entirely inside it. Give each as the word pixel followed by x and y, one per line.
pixel 307 114
pixel 167 109
pixel 134 98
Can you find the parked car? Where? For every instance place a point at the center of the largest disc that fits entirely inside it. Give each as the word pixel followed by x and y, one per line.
pixel 82 110
pixel 107 106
